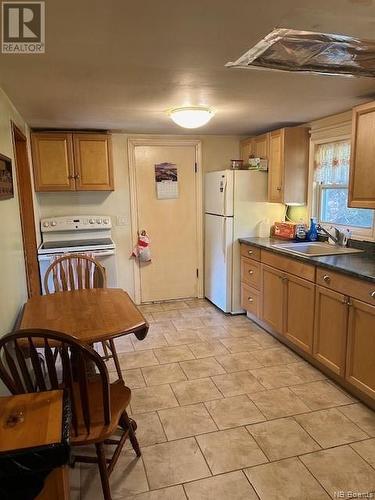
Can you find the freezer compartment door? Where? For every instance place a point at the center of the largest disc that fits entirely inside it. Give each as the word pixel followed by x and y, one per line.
pixel 218 260
pixel 218 193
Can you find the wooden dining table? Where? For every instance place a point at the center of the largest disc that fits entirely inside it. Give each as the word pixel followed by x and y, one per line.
pixel 90 315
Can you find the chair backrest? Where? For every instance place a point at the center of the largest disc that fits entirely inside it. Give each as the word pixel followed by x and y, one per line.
pixel 75 272
pixel 41 360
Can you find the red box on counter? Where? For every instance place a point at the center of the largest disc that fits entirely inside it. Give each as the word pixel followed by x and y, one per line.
pixel 286 230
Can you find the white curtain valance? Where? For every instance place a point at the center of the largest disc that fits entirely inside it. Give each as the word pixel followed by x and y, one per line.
pixel 331 162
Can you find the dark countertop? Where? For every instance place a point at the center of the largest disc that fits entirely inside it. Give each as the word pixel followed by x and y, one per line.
pixel 359 265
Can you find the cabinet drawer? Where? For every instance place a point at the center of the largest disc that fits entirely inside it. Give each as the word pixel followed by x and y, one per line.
pixel 250 299
pixel 250 272
pixel 250 252
pixel 347 285
pixel 289 265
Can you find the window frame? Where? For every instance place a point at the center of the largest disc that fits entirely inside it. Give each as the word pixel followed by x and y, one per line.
pixel 363 234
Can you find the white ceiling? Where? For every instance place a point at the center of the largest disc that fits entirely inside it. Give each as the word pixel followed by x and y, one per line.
pixel 120 64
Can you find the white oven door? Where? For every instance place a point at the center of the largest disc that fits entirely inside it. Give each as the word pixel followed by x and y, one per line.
pixel 107 259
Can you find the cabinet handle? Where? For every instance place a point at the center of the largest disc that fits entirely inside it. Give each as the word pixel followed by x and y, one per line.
pixel 252 272
pixel 372 294
pixel 250 299
pixel 326 278
pixel 77 176
pixel 278 188
pixel 250 252
pixel 283 278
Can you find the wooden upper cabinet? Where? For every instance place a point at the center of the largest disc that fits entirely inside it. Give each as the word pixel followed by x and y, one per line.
pixel 247 149
pixel 93 162
pixel 275 171
pixel 53 161
pixel 72 161
pixel 261 146
pixel 360 360
pixel 288 165
pixel 362 164
pixel 330 329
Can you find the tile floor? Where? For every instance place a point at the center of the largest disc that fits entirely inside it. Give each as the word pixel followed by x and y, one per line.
pixel 225 411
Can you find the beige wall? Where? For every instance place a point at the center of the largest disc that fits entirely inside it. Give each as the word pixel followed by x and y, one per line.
pixel 217 151
pixel 13 292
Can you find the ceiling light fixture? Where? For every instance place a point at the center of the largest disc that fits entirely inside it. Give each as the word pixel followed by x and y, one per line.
pixel 191 116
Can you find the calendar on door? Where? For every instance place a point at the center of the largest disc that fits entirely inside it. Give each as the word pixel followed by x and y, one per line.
pixel 166 179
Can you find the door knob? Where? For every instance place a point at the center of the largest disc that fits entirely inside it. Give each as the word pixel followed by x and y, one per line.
pixel 251 272
pixel 249 252
pixel 250 299
pixel 326 278
pixel 372 294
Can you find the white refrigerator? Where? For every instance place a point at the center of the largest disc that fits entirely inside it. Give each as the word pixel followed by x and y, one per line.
pixel 235 205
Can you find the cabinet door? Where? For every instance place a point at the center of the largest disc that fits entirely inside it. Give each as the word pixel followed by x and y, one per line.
pixel 52 155
pixel 360 360
pixel 261 146
pixel 362 165
pixel 273 297
pixel 93 162
pixel 299 312
pixel 330 331
pixel 275 167
pixel 247 149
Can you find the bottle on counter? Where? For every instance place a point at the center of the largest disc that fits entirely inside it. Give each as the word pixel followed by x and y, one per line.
pixel 264 228
pixel 312 233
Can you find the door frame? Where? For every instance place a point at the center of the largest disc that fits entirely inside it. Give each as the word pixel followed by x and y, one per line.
pixel 27 215
pixel 133 142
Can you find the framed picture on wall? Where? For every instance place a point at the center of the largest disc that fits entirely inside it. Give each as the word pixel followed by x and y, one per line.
pixel 6 178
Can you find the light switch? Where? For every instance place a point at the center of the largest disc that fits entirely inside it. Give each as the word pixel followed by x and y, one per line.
pixel 122 220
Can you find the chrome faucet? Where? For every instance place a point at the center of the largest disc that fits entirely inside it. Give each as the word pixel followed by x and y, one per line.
pixel 341 238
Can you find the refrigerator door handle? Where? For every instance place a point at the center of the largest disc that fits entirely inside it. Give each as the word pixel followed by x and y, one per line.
pixel 224 239
pixel 225 196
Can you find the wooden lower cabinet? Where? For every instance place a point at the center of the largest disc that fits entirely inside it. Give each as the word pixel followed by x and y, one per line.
pixel 273 304
pixel 299 312
pixel 250 272
pixel 330 331
pixel 250 299
pixel 360 358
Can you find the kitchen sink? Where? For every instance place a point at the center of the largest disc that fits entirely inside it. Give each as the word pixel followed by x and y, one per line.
pixel 315 249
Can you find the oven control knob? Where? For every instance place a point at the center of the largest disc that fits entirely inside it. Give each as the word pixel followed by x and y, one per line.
pixel 45 224
pixel 106 221
pixel 53 223
pixel 91 221
pixel 98 221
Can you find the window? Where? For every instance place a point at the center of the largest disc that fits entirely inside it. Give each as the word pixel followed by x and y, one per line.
pixel 331 179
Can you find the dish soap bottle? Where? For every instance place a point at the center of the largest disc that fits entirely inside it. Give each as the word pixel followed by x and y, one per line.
pixel 312 233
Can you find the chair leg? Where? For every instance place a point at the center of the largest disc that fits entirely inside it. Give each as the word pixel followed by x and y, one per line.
pixel 102 463
pixel 131 426
pixel 115 359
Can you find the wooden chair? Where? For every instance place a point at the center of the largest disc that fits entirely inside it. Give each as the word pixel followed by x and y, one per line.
pixel 77 272
pixel 98 407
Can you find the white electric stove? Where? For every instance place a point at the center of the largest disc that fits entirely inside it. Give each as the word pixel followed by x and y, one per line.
pixel 90 234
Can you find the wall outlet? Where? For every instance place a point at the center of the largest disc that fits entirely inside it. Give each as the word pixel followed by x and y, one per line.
pixel 122 220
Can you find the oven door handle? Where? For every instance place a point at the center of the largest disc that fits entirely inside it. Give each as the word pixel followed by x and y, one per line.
pixel 97 254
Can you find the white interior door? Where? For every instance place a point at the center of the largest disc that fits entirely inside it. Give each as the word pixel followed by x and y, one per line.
pixel 170 223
